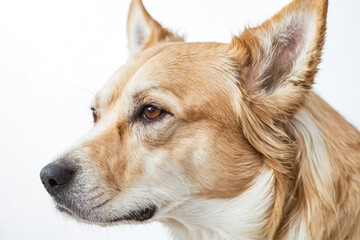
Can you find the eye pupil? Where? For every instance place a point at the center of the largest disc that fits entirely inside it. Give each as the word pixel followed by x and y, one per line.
pixel 151 112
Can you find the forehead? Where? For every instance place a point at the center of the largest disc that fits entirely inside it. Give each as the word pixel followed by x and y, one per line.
pixel 191 72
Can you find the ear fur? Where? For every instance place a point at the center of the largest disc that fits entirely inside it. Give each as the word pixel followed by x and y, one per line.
pixel 276 65
pixel 277 62
pixel 143 31
pixel 284 50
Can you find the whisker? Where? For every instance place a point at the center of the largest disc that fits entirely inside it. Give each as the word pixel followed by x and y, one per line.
pixel 102 204
pixel 93 189
pixel 99 195
pixel 187 188
pixel 89 91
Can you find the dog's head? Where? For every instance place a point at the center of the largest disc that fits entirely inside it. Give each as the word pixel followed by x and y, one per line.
pixel 186 121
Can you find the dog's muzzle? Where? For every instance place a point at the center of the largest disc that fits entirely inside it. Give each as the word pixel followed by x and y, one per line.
pixel 61 181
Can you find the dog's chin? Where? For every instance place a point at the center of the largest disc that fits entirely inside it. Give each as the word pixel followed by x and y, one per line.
pixel 135 216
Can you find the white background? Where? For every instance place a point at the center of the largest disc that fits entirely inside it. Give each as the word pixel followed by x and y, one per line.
pixel 54 55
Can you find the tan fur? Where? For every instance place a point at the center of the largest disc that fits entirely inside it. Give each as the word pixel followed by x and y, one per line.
pixel 236 109
pixel 198 114
pixel 261 117
pixel 333 207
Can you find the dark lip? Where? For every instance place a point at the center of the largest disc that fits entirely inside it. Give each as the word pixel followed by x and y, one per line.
pixel 139 215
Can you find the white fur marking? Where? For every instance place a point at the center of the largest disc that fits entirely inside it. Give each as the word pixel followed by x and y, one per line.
pixel 244 216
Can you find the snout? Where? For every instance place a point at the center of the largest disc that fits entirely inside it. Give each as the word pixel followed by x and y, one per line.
pixel 56 177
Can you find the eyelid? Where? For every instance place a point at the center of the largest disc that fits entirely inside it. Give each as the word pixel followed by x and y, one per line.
pixel 154 104
pixel 95 114
pixel 139 110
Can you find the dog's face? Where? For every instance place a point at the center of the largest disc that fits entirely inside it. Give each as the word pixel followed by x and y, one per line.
pixel 183 121
pixel 165 129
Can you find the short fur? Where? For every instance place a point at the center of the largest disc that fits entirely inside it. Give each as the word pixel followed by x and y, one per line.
pixel 245 149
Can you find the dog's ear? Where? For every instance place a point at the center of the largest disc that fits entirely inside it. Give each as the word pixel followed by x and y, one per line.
pixel 276 64
pixel 143 31
pixel 278 59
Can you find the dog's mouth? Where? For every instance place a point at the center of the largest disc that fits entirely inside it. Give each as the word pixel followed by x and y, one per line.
pixel 139 215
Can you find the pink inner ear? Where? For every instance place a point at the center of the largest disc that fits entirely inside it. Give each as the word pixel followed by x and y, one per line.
pixel 288 44
pixel 297 41
pixel 292 44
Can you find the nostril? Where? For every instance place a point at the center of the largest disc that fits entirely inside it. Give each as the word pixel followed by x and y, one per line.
pixel 53 182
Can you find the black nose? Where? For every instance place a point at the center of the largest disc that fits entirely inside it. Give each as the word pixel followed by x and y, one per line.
pixel 55 177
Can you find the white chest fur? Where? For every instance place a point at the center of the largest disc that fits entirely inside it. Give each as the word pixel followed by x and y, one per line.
pixel 243 217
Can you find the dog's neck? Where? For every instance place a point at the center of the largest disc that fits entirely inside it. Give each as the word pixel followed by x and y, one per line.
pixel 243 216
pixel 326 185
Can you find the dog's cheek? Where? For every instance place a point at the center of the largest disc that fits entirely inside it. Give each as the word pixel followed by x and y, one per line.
pixel 221 162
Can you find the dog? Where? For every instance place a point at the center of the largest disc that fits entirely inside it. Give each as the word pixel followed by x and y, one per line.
pixel 217 140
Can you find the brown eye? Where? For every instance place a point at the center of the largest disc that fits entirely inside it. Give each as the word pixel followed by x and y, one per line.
pixel 151 112
pixel 94 114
